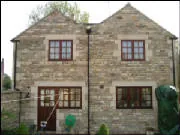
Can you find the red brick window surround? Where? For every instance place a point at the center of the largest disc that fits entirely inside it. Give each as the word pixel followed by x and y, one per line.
pixel 132 50
pixel 60 50
pixel 133 97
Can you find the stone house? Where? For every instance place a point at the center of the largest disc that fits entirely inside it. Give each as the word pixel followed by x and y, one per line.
pixel 129 56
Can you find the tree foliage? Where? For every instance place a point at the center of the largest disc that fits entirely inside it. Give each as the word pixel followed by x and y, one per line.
pixel 62 6
pixel 6 82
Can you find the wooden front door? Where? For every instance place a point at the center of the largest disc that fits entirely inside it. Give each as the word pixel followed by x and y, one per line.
pixel 47 108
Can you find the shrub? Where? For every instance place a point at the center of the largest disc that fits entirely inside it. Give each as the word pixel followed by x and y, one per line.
pixel 22 129
pixel 104 130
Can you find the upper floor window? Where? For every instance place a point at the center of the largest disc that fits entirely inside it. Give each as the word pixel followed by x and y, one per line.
pixel 133 50
pixel 60 50
pixel 133 97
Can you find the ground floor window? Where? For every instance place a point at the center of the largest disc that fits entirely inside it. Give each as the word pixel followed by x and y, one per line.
pixel 62 97
pixel 134 97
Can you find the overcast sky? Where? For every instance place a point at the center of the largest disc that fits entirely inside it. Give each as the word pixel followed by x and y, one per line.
pixel 14 18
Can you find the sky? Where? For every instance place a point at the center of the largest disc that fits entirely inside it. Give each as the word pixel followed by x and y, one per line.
pixel 15 16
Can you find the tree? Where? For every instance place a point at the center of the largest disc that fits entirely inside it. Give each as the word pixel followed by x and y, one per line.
pixel 6 82
pixel 62 6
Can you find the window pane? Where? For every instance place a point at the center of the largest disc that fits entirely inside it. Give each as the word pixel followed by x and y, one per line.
pixel 72 103
pixel 57 44
pixel 65 97
pixel 124 56
pixel 65 103
pixel 77 103
pixel 56 56
pixel 129 50
pixel 73 96
pixel 129 44
pixel 63 55
pixel 77 91
pixel 141 50
pixel 60 103
pixel 61 95
pixel 140 44
pixel 42 97
pixel 135 44
pixel 136 56
pixel 135 50
pixel 52 50
pixel 124 50
pixel 64 50
pixel 56 50
pixel 63 43
pixel 124 43
pixel 68 50
pixel 68 43
pixel 52 43
pixel 77 97
pixel 68 56
pixel 141 56
pixel 129 56
pixel 51 56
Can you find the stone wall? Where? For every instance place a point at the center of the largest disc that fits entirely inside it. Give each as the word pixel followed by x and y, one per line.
pixel 9 109
pixel 106 68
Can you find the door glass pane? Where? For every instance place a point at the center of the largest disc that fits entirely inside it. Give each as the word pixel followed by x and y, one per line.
pixel 42 91
pixel 52 103
pixel 52 97
pixel 46 104
pixel 42 103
